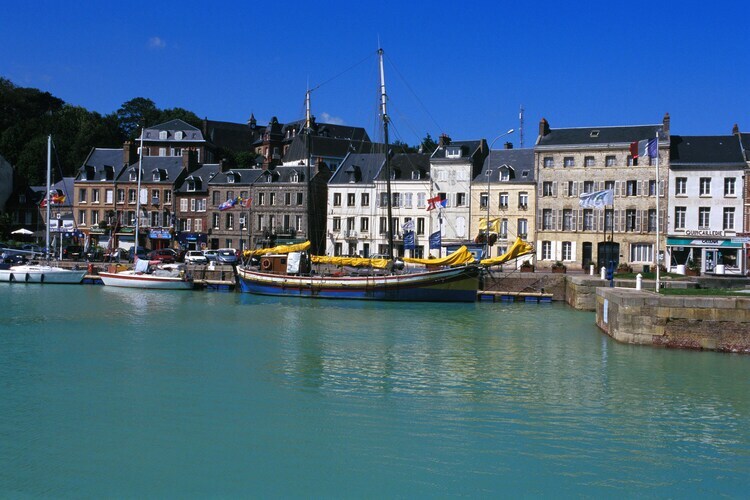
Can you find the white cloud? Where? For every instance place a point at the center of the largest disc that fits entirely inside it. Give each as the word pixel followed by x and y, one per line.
pixel 156 43
pixel 334 120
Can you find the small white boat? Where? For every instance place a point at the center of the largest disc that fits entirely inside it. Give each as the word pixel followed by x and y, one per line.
pixel 41 273
pixel 160 277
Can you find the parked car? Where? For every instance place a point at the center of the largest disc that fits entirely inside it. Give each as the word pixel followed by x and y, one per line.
pixel 116 254
pixel 226 256
pixel 72 252
pixel 141 253
pixel 210 254
pixel 195 257
pixel 166 255
pixel 14 259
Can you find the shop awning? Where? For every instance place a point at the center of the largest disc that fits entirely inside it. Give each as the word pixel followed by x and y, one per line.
pixel 702 242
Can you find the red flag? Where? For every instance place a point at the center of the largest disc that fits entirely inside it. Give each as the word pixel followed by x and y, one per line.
pixel 433 202
pixel 634 152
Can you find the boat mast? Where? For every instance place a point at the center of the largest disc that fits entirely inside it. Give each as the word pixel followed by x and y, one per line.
pixel 308 179
pixel 47 196
pixel 384 116
pixel 138 197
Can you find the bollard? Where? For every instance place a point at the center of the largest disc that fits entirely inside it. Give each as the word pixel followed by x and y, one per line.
pixel 638 281
pixel 604 273
pixel 591 269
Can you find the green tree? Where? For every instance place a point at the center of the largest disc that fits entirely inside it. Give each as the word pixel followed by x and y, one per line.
pixel 135 113
pixel 428 145
pixel 401 147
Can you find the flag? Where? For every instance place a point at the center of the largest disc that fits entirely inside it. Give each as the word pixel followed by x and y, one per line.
pixel 54 197
pixel 598 199
pixel 408 225
pixel 409 240
pixel 444 203
pixel 645 148
pixel 228 204
pixel 246 202
pixel 494 225
pixel 433 202
pixel 435 240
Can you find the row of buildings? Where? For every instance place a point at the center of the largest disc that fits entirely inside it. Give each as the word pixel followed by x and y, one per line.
pixel 329 186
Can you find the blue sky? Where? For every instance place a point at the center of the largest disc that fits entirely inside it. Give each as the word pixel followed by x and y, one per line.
pixel 459 68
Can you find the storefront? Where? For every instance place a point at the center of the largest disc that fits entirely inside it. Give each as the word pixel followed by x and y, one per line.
pixel 192 241
pixel 709 254
pixel 159 238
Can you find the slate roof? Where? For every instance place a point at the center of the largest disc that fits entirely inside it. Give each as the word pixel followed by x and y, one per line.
pixel 284 174
pixel 366 167
pixel 694 150
pixel 745 138
pixel 246 176
pixel 192 134
pixel 597 135
pixel 468 148
pixel 171 165
pixel 97 160
pixel 405 163
pixel 520 161
pixel 325 147
pixel 204 174
pixel 231 136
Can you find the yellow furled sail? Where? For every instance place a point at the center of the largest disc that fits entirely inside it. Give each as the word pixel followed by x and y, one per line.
pixel 457 258
pixel 349 261
pixel 299 247
pixel 516 250
pixel 494 225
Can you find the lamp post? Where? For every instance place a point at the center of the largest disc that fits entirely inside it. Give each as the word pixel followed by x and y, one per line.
pixel 489 175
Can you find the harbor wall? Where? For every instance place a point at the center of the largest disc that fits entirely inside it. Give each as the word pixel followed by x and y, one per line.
pixel 537 282
pixel 642 317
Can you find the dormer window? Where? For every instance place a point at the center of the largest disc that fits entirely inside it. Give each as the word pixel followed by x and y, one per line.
pixel 525 173
pixel 594 134
pixel 109 172
pixel 155 176
pixel 230 177
pixel 294 177
pixel 416 175
pixel 453 152
pixel 179 135
pixel 90 173
pixel 163 135
pixel 133 175
pixel 191 185
pixel 504 173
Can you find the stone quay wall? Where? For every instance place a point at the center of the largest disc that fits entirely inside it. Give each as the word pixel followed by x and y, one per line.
pixel 641 317
pixel 545 282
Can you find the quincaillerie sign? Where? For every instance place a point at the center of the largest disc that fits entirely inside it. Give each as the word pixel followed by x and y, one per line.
pixel 703 232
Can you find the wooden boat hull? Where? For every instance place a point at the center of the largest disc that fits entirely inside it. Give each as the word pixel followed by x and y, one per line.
pixel 128 279
pixel 41 274
pixel 446 285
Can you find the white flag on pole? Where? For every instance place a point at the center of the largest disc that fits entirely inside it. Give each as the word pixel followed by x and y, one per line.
pixel 598 199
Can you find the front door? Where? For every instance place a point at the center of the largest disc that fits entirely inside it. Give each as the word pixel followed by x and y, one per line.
pixel 608 255
pixel 587 258
pixel 710 260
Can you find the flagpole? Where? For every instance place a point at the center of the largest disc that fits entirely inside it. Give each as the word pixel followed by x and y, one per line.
pixel 658 228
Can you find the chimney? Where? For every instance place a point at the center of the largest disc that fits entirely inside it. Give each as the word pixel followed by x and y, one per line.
pixel 252 122
pixel 543 127
pixel 736 130
pixel 508 145
pixel 189 160
pixel 665 125
pixel 444 140
pixel 129 153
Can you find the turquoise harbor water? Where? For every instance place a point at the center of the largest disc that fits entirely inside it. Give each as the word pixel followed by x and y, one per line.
pixel 126 393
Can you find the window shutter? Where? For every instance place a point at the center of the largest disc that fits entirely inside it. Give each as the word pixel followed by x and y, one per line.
pixel 556 220
pixel 644 190
pixel 573 217
pixel 598 219
pixel 638 221
pixel 616 220
pixel 580 219
pixel 565 189
pixel 661 189
pixel 575 188
pixel 639 189
pixel 554 189
pixel 539 219
pixel 580 187
pixel 661 222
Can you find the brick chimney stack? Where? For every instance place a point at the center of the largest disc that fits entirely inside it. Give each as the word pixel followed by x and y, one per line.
pixel 665 124
pixel 508 145
pixel 189 160
pixel 736 129
pixel 444 140
pixel 129 153
pixel 543 127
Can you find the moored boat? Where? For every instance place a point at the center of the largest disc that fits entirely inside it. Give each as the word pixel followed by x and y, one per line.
pixel 41 273
pixel 144 275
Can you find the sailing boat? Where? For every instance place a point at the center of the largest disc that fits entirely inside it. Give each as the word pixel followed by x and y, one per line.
pixel 288 270
pixel 147 274
pixel 43 273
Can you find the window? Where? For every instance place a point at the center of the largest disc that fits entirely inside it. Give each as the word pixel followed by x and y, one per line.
pixel 299 198
pixel 120 196
pixel 131 195
pixel 523 227
pixel 81 217
pixel 729 186
pixel 94 196
pixel 364 224
pixel 162 151
pixel 350 199
pixel 641 252
pixel 396 200
pixel 94 217
pixel 549 162
pixel 155 196
pixel 651 220
pixel 609 160
pixel 421 200
pixel 350 223
pixel 383 199
pixel 483 197
pixel 567 250
pixel 547 218
pixel 298 222
pixel 183 205
pixel 503 229
pixel 547 188
pixel 704 217
pixel 609 185
pixel 705 186
pixel 82 196
pixel 415 175
pixel 216 221
pixel 199 225
pixel 192 204
pixel 631 188
pixel 680 186
pixel 588 187
pixel 154 219
pixel 504 200
pixel 567 219
pixel 200 205
pixel 229 221
pixel 569 161
pixel 728 218
pixel 287 199
pixel 453 152
pixel 589 161
pixel 163 135
pixel 271 198
pixel 630 219
pixel 523 200
pixel 108 193
pixel 546 250
pixel 460 199
pixel 216 198
pixel 609 216
pixel 420 225
pixel 588 219
pixel 679 217
pixel 167 197
pixel 572 188
pixel 652 188
pixel 630 161
pixel 176 151
pixel 383 226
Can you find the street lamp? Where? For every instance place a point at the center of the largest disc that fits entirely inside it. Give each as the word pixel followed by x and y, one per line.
pixel 489 175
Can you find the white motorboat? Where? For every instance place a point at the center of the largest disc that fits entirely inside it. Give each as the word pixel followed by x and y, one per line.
pixel 144 275
pixel 41 273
